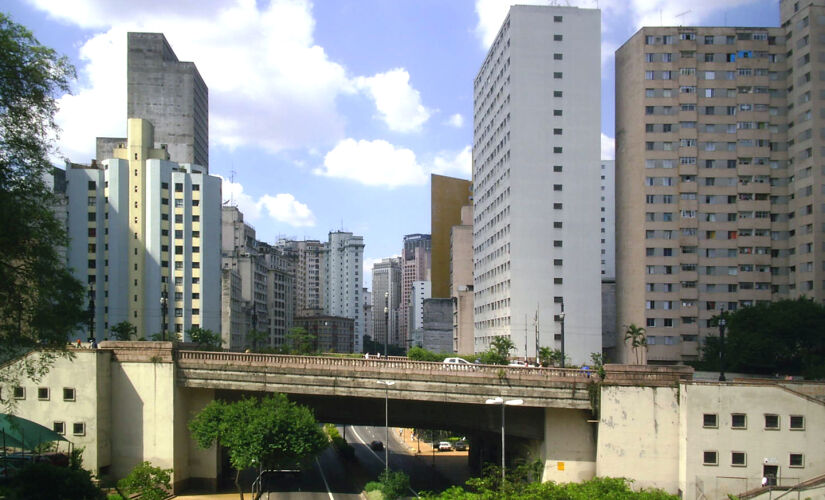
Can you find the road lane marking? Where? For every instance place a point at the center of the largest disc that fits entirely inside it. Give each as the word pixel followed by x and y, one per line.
pixel 326 484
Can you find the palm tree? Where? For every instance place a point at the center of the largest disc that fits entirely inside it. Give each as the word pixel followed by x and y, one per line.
pixel 636 336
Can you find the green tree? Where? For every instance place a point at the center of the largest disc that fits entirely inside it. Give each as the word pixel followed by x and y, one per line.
pixel 421 354
pixel 258 339
pixel 782 337
pixel 638 339
pixel 151 483
pixel 41 303
pixel 43 481
pixel 206 339
pixel 272 432
pixel 499 351
pixel 552 357
pixel 124 331
pixel 301 341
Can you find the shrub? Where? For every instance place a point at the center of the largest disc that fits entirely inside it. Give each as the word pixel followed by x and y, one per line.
pixel 151 483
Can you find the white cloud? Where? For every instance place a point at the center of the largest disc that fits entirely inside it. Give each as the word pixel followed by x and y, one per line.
pixel 608 147
pixel 374 163
pixel 455 120
pixel 379 163
pixel 282 207
pixel 398 103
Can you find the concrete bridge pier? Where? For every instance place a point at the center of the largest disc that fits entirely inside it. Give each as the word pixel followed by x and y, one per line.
pixel 569 447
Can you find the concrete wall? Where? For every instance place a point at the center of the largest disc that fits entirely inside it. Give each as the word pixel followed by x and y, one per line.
pixel 569 449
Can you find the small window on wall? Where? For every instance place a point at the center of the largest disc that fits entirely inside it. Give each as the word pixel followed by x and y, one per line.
pixel 796 460
pixel 738 459
pixel 710 420
pixel 19 393
pixel 59 427
pixel 772 422
pixel 710 458
pixel 797 422
pixel 68 394
pixel 43 393
pixel 79 429
pixel 738 421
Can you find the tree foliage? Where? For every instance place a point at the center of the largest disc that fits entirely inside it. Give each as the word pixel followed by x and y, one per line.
pixel 40 301
pixel 637 337
pixel 151 483
pixel 300 341
pixel 552 357
pixel 272 432
pixel 43 481
pixel 124 331
pixel 205 338
pixel 782 337
pixel 391 484
pixel 499 351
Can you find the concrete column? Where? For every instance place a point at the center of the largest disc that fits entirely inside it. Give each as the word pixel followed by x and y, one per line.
pixel 569 445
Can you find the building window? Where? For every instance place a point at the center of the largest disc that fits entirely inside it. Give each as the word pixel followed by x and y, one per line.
pixel 557 187
pixel 557 19
pixel 557 93
pixel 710 458
pixel 738 421
pixel 557 243
pixel 557 262
pixel 59 427
pixel 710 420
pixel 68 394
pixel 558 38
pixel 796 460
pixel 797 422
pixel 178 187
pixel 556 112
pixel 19 393
pixel 557 168
pixel 737 459
pixel 557 206
pixel 557 75
pixel 79 429
pixel 557 131
pixel 43 393
pixel 196 187
pixel 772 422
pixel 178 312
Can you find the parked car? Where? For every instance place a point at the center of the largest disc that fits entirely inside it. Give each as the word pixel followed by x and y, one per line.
pixel 518 363
pixel 445 446
pixel 460 446
pixel 456 361
pixel 377 445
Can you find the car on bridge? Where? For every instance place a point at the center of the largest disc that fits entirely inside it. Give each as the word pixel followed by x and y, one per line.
pixel 456 361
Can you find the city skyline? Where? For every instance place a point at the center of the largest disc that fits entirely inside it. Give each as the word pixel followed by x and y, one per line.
pixel 332 107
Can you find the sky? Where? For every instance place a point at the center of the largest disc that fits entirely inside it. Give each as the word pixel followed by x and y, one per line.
pixel 327 115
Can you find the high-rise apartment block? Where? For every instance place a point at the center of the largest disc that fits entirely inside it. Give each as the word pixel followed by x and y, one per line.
pixel 415 262
pixel 386 299
pixel 719 154
pixel 169 93
pixel 140 225
pixel 308 267
pixel 608 219
pixel 447 196
pixel 536 183
pixel 344 280
pixel 461 282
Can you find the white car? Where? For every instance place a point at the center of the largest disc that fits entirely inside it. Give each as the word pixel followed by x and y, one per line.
pixel 445 446
pixel 456 361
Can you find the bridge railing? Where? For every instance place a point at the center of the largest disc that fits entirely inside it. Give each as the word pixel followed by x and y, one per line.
pixel 377 364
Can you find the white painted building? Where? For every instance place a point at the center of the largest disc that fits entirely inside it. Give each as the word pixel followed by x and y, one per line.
pixel 343 279
pixel 419 290
pixel 608 219
pixel 140 224
pixel 536 183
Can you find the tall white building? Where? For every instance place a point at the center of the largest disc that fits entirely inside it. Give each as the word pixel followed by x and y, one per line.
pixel 419 290
pixel 140 224
pixel 536 151
pixel 344 278
pixel 608 219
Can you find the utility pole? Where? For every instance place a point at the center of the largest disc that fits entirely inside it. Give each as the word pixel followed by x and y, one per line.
pixel 537 334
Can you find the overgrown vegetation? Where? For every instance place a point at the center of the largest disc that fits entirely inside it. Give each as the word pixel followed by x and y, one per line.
pixel 151 483
pixel 338 443
pixel 206 339
pixel 391 484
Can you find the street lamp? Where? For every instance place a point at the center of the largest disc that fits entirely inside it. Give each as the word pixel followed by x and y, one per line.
pixel 561 317
pixel 91 313
pixel 387 321
pixel 387 383
pixel 503 403
pixel 722 324
pixel 164 310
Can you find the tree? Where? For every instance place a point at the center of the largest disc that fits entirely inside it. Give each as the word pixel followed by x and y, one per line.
pixel 301 341
pixel 638 339
pixel 151 483
pixel 206 339
pixel 257 338
pixel 552 357
pixel 124 331
pixel 41 303
pixel 782 337
pixel 499 351
pixel 272 432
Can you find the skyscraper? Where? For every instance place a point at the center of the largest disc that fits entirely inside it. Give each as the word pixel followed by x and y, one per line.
pixel 415 262
pixel 719 193
pixel 447 196
pixel 386 298
pixel 344 280
pixel 536 183
pixel 170 94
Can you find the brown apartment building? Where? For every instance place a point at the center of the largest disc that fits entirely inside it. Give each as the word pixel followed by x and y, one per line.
pixel 720 174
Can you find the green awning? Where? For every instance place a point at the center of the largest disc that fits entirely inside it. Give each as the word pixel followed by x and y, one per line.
pixel 21 433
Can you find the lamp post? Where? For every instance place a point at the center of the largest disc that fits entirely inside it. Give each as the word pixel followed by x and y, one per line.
pixel 387 321
pixel 561 317
pixel 164 310
pixel 722 323
pixel 91 313
pixel 387 383
pixel 503 403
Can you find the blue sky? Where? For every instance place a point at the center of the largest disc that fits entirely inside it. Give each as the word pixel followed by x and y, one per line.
pixel 327 115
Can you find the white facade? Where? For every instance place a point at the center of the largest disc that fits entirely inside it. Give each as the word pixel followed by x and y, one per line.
pixel 344 278
pixel 139 223
pixel 608 219
pixel 536 182
pixel 419 291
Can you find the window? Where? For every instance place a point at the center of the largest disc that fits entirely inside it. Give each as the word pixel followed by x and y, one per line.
pixel 797 422
pixel 557 75
pixel 557 187
pixel 19 393
pixel 772 422
pixel 59 427
pixel 557 131
pixel 557 168
pixel 557 93
pixel 556 112
pixel 68 394
pixel 710 420
pixel 710 458
pixel 178 187
pixel 796 460
pixel 557 19
pixel 43 393
pixel 737 459
pixel 79 429
pixel 557 243
pixel 558 149
pixel 738 421
pixel 557 38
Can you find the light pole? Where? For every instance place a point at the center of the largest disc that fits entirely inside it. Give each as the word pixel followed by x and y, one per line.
pixel 722 324
pixel 164 310
pixel 561 317
pixel 91 313
pixel 503 403
pixel 387 321
pixel 387 383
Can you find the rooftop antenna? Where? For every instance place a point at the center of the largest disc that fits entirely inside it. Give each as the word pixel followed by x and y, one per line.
pixel 232 191
pixel 682 14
